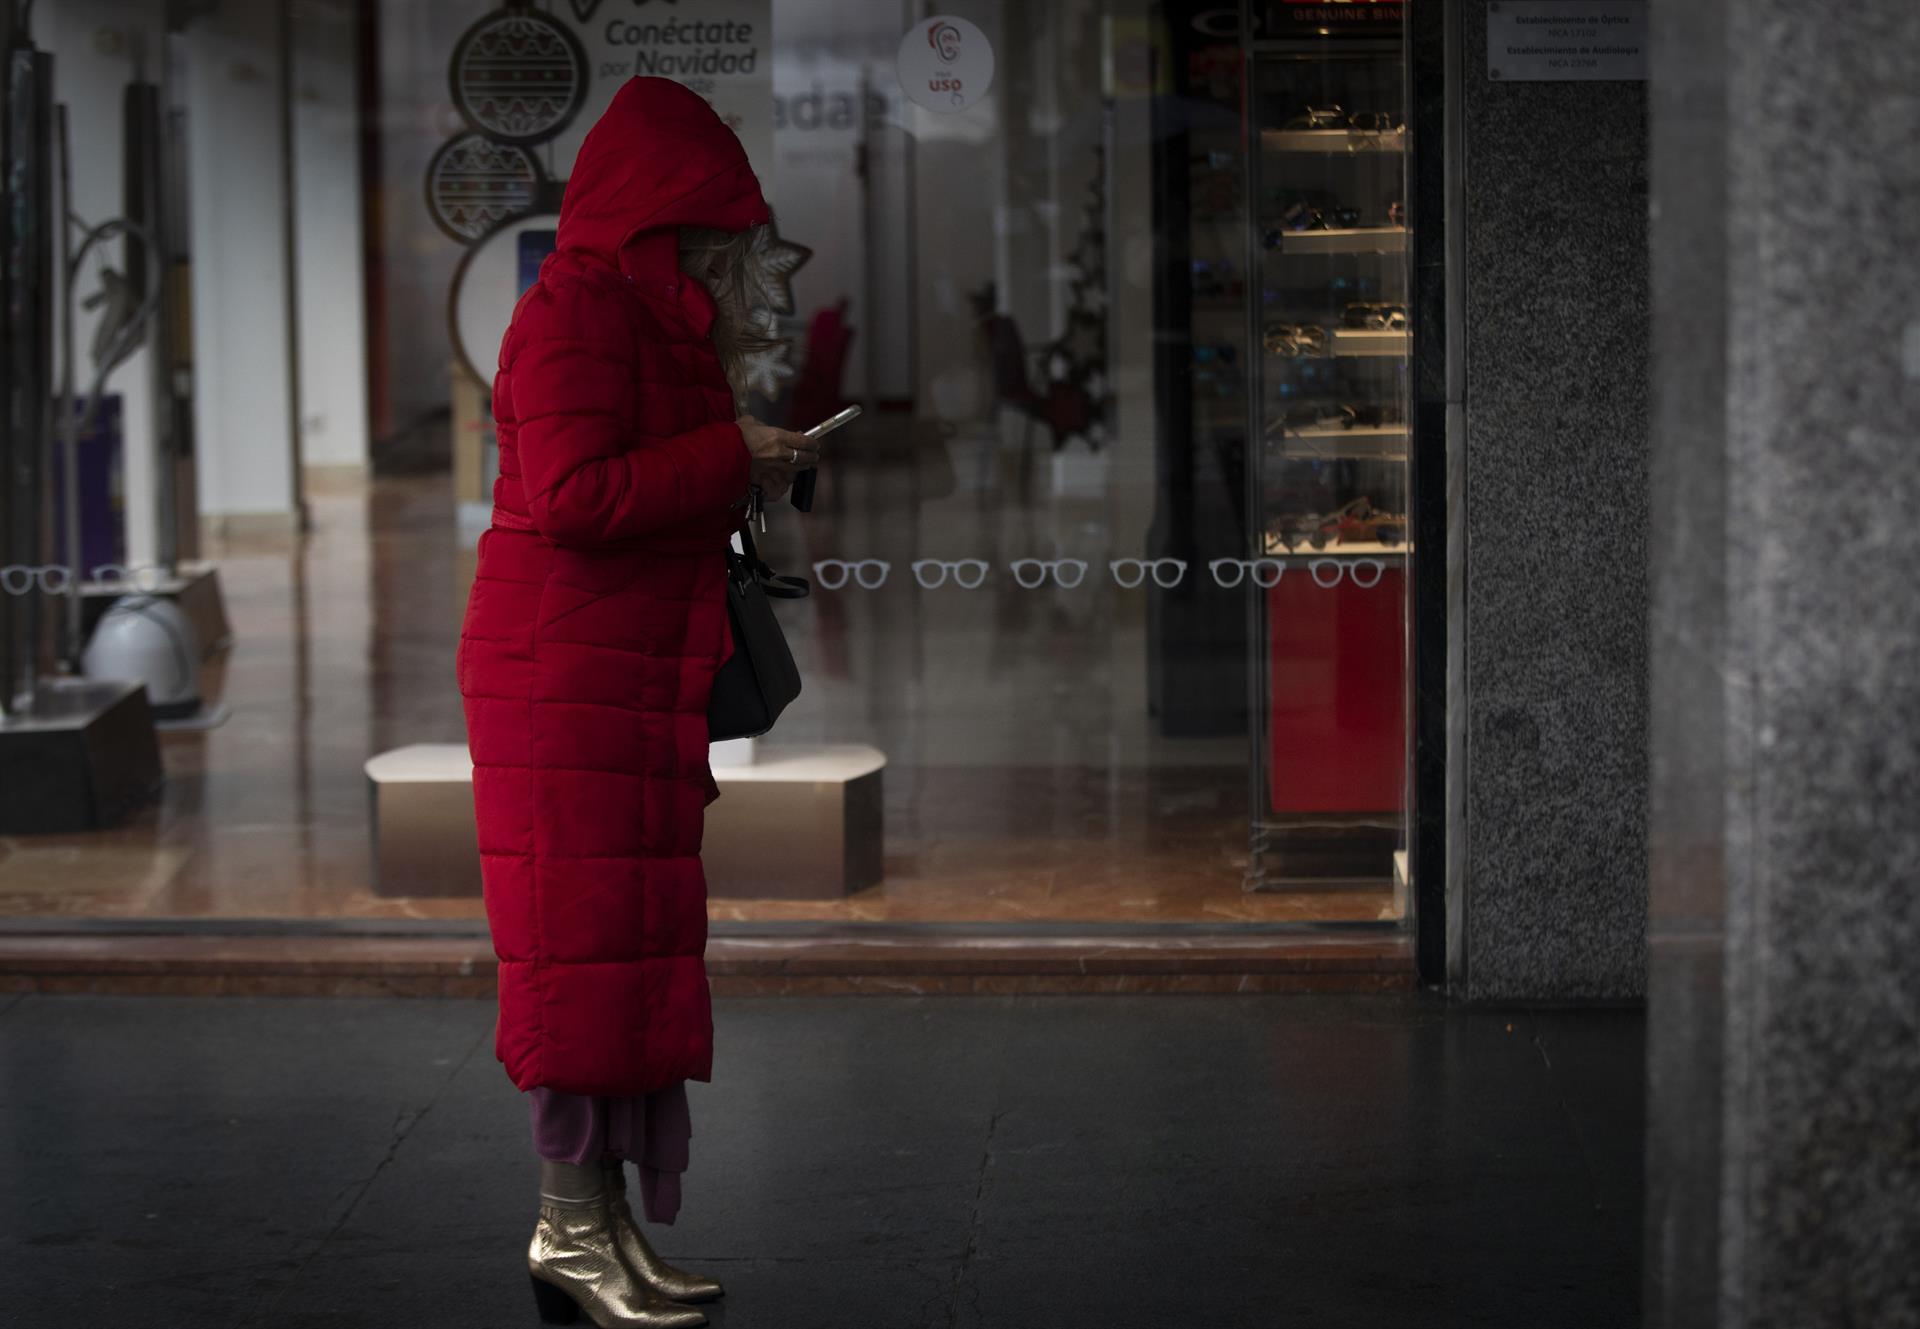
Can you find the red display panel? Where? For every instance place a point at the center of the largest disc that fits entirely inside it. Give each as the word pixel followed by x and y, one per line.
pixel 1337 701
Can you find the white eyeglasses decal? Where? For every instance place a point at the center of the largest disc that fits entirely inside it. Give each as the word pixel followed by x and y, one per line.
pixel 140 576
pixel 834 574
pixel 1130 572
pixel 1364 572
pixel 868 573
pixel 931 573
pixel 1031 573
pixel 1266 571
pixel 18 579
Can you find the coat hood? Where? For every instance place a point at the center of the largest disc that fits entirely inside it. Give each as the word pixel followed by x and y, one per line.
pixel 659 158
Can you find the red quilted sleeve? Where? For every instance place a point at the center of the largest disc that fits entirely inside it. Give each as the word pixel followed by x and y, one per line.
pixel 591 475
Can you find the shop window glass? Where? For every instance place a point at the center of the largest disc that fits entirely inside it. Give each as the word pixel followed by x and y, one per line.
pixel 1110 573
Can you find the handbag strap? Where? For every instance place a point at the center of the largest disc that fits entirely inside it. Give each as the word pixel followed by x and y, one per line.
pixel 774 584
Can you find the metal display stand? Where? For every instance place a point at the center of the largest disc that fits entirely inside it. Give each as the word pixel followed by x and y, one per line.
pixel 153 264
pixel 26 373
pixel 74 754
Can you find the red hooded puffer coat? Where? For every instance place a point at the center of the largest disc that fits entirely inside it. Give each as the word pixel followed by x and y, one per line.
pixel 598 616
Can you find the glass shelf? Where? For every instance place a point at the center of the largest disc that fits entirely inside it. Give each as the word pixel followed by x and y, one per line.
pixel 1372 551
pixel 1351 342
pixel 1336 141
pixel 1359 240
pixel 1370 341
pixel 1332 442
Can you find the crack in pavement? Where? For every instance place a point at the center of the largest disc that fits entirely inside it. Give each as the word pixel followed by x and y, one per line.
pixel 973 1219
pixel 965 1263
pixel 1580 1142
pixel 403 1123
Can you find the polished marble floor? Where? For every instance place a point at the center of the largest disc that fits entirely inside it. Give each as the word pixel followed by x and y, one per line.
pixel 1025 779
pixel 1236 1162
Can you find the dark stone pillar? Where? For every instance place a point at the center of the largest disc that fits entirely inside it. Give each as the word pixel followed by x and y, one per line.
pixel 1784 1121
pixel 1547 835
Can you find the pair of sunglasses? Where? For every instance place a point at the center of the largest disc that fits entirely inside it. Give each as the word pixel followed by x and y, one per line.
pixel 1317 117
pixel 1335 117
pixel 1373 122
pixel 1293 339
pixel 1306 217
pixel 1347 415
pixel 1362 314
pixel 1363 415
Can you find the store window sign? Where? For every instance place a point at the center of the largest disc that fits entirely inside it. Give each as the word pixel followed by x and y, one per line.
pixel 1296 18
pixel 529 84
pixel 945 64
pixel 1572 40
pixel 722 49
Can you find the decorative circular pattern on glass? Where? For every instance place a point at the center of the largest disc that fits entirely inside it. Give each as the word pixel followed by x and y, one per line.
pixel 518 76
pixel 474 184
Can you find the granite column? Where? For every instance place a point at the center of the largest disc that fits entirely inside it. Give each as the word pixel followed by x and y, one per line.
pixel 1784 1121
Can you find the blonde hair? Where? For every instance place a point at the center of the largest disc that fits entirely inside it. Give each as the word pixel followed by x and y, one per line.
pixel 719 261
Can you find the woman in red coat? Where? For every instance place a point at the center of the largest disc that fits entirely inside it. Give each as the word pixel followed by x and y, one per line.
pixel 595 625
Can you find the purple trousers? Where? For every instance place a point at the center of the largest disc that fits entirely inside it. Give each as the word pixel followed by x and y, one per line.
pixel 651 1132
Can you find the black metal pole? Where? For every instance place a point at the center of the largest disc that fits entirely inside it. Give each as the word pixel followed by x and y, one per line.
pixel 9 441
pixel 290 257
pixel 26 252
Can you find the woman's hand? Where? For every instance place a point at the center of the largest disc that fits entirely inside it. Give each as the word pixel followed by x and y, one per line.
pixel 778 454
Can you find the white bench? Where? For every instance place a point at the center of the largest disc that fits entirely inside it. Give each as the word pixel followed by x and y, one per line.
pixel 795 823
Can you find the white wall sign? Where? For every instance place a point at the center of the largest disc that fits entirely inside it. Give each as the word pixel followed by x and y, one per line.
pixel 722 49
pixel 945 64
pixel 1539 40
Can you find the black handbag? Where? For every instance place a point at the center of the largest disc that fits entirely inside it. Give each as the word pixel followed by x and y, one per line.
pixel 760 678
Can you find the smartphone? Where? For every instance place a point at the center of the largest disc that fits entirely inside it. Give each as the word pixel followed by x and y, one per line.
pixel 802 495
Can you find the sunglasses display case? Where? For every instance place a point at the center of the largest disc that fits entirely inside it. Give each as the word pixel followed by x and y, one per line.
pixel 1327 482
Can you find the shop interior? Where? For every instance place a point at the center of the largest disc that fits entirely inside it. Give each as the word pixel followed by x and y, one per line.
pixel 1110 578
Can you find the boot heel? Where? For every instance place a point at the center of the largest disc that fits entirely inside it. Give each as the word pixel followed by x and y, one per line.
pixel 556 1307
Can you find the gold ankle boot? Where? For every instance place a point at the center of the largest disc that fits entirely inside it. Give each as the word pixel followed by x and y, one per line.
pixel 655 1272
pixel 577 1269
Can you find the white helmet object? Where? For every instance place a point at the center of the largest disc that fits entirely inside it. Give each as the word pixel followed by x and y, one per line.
pixel 146 639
